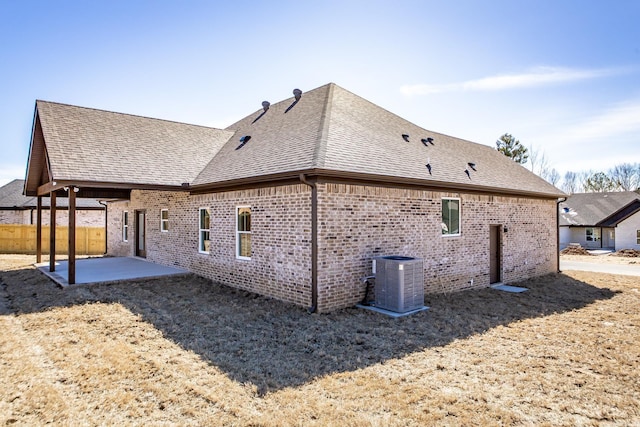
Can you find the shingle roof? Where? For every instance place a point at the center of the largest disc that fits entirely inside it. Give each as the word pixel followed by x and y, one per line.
pixel 331 129
pixel 85 144
pixel 591 209
pixel 11 198
pixel 328 131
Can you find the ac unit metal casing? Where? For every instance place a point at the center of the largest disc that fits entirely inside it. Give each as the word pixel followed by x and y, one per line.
pixel 399 283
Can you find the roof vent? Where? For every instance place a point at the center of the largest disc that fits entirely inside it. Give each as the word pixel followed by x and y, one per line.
pixel 425 142
pixel 430 141
pixel 297 93
pixel 265 105
pixel 405 137
pixel 428 165
pixel 243 140
pixel 472 166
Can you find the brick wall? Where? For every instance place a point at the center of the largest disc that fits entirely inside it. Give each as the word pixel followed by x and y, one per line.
pixel 84 218
pixel 280 265
pixel 357 223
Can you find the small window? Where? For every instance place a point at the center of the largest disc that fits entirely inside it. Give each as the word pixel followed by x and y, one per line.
pixel 593 234
pixel 125 226
pixel 638 237
pixel 243 232
pixel 450 217
pixel 164 220
pixel 203 235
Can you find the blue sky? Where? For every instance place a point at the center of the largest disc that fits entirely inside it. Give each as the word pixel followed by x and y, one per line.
pixel 563 76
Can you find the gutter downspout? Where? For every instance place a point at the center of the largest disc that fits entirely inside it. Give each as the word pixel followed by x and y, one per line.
pixel 314 242
pixel 106 225
pixel 558 231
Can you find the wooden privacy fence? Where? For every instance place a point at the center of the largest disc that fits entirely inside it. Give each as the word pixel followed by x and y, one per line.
pixel 21 239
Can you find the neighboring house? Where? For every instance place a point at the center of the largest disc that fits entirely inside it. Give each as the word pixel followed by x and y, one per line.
pixel 601 220
pixel 18 209
pixel 295 200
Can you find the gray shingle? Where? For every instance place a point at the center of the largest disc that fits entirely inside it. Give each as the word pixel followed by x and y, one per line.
pixel 332 129
pixel 588 209
pixel 329 130
pixel 85 144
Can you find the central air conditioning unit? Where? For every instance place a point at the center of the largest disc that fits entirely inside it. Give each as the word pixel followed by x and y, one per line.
pixel 399 283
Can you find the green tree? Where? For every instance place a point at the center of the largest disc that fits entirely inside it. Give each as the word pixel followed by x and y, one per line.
pixel 511 147
pixel 599 183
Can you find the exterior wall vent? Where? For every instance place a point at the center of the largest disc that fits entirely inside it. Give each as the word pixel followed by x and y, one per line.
pixel 399 283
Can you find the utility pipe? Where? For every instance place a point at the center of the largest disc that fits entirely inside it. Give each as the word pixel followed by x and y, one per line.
pixel 314 242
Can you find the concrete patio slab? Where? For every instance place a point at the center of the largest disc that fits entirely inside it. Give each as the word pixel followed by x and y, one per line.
pixel 103 270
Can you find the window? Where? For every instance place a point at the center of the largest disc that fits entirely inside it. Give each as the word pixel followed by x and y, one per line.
pixel 243 232
pixel 164 220
pixel 125 226
pixel 593 234
pixel 204 225
pixel 450 217
pixel 638 237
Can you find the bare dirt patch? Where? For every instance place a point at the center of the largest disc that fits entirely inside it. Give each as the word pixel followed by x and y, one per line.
pixel 631 253
pixel 186 351
pixel 575 250
pixel 609 258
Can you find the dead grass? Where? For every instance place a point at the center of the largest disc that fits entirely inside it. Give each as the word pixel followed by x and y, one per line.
pixel 185 351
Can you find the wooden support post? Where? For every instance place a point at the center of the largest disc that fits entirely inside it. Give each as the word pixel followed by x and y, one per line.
pixel 39 231
pixel 52 233
pixel 72 236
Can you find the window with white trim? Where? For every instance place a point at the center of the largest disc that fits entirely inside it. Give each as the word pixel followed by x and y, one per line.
pixel 243 232
pixel 592 234
pixel 450 217
pixel 204 230
pixel 164 220
pixel 125 226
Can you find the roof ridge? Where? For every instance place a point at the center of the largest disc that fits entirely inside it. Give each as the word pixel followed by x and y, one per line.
pixel 320 152
pixel 100 110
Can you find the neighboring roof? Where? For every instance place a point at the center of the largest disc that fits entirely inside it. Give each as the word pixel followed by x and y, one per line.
pixel 328 132
pixel 598 209
pixel 331 130
pixel 84 144
pixel 11 198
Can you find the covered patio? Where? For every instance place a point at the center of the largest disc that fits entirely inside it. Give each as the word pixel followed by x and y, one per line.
pixel 107 269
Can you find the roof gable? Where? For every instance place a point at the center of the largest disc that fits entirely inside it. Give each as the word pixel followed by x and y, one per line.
pixel 85 144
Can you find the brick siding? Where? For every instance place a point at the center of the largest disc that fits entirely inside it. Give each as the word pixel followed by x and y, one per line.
pixel 355 223
pixel 280 265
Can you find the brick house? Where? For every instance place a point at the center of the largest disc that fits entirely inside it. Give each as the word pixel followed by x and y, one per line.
pixel 18 209
pixel 295 200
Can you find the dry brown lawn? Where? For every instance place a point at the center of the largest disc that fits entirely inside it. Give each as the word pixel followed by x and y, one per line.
pixel 184 351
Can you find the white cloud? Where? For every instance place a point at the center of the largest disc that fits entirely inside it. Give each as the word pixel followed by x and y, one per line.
pixel 535 77
pixel 621 119
pixel 597 141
